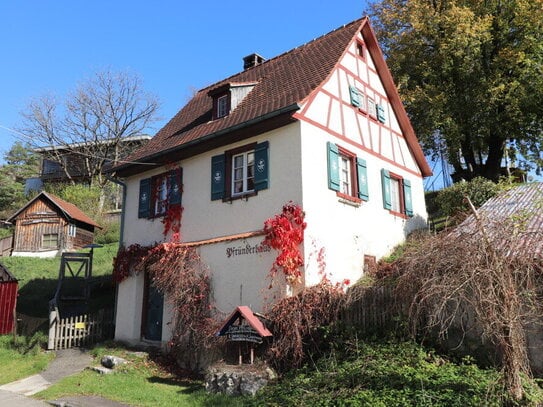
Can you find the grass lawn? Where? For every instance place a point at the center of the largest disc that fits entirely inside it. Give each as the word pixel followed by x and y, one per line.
pixel 21 358
pixel 38 280
pixel 141 382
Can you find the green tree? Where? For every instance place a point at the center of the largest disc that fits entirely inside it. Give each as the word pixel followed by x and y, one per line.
pixel 20 163
pixel 471 75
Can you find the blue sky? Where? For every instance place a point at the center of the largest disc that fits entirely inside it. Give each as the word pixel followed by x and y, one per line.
pixel 176 47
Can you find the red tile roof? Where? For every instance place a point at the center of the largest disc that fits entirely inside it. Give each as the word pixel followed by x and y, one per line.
pixel 282 83
pixel 71 211
pixel 246 313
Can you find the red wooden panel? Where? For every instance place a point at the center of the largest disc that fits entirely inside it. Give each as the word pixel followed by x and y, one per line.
pixel 8 302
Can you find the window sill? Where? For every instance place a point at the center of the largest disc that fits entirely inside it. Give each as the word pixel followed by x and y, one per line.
pixel 245 196
pixel 399 214
pixel 348 199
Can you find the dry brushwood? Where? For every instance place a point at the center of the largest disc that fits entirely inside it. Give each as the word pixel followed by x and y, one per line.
pixel 482 270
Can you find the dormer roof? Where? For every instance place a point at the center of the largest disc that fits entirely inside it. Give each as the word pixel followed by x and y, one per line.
pixel 281 85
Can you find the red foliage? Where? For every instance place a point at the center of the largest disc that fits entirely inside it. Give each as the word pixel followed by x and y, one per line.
pixel 285 233
pixel 126 259
pixel 296 322
pixel 172 222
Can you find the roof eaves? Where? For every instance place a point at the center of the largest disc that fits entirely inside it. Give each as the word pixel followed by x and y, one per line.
pixel 206 138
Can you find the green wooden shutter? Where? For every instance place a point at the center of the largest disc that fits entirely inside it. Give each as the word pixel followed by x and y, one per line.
pixel 144 204
pixel 407 197
pixel 362 173
pixel 381 113
pixel 217 177
pixel 355 96
pixel 385 182
pixel 261 166
pixel 333 167
pixel 175 186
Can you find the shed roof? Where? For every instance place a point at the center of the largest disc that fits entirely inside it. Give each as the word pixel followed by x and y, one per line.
pixel 281 85
pixel 69 210
pixel 522 204
pixel 245 312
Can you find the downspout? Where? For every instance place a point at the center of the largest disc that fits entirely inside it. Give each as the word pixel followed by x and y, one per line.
pixel 123 186
pixel 121 236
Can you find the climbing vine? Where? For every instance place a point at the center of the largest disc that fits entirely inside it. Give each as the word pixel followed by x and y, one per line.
pixel 285 233
pixel 172 222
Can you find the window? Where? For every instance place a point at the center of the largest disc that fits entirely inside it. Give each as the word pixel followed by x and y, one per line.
pixel 72 230
pixel 160 188
pixel 158 193
pixel 222 108
pixel 49 241
pixel 240 172
pixel 396 193
pixel 243 173
pixel 347 174
pixel 358 98
pixel 360 49
pixel 372 110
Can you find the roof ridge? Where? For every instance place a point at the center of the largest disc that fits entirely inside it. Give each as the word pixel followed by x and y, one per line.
pixel 267 61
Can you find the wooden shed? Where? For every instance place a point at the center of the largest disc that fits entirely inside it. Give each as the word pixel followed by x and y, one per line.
pixel 8 300
pixel 47 225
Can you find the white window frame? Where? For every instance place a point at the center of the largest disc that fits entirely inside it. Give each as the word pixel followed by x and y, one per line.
pixel 161 196
pixel 244 176
pixel 72 230
pixel 222 106
pixel 372 108
pixel 396 192
pixel 345 175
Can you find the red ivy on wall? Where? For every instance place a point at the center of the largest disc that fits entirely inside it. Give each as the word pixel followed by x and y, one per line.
pixel 172 222
pixel 285 233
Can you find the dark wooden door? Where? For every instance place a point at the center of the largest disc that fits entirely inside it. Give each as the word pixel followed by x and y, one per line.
pixel 152 312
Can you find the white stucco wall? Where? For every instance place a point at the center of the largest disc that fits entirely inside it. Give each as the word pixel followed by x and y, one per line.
pixel 203 219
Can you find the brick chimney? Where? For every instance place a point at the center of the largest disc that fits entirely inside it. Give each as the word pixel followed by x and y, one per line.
pixel 252 60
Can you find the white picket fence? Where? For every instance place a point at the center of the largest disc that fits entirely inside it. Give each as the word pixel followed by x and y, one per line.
pixel 79 330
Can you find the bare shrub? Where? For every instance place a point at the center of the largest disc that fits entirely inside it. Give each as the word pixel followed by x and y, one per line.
pixel 483 271
pixel 296 323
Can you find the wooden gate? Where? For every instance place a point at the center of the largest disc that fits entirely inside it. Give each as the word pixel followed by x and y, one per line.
pixel 79 330
pixel 8 300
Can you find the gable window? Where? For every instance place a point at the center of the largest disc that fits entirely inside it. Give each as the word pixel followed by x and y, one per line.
pixel 49 241
pixel 360 49
pixel 372 109
pixel 158 193
pixel 358 99
pixel 347 174
pixel 396 193
pixel 221 106
pixel 240 172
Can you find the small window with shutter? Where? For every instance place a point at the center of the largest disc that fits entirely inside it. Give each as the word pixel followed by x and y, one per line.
pixel 396 193
pixel 347 174
pixel 240 172
pixel 158 193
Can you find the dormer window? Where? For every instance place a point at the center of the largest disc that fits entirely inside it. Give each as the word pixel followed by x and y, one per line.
pixel 222 106
pixel 228 96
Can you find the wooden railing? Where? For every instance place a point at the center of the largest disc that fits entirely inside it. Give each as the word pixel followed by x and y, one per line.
pixel 79 330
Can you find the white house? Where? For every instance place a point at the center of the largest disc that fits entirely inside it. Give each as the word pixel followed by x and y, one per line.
pixel 322 126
